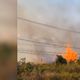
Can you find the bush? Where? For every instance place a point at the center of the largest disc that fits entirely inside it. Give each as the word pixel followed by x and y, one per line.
pixel 29 71
pixel 60 60
pixel 78 61
pixel 29 67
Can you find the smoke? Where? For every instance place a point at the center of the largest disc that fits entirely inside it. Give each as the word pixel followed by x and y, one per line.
pixel 59 13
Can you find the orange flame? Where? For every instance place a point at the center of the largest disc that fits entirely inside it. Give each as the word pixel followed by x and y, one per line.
pixel 70 55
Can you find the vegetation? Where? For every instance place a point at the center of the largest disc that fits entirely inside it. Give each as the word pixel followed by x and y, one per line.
pixel 62 71
pixel 60 60
pixel 7 61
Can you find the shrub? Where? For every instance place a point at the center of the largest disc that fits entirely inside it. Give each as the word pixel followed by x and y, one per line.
pixel 60 60
pixel 29 71
pixel 29 67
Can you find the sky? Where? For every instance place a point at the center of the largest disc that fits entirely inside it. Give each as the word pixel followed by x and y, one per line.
pixel 61 13
pixel 55 12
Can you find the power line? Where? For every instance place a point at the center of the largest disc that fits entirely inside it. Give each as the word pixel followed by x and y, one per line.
pixel 31 52
pixel 37 51
pixel 39 42
pixel 46 25
pixel 44 43
pixel 58 39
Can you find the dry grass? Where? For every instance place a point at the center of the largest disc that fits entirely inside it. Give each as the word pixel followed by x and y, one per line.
pixel 29 71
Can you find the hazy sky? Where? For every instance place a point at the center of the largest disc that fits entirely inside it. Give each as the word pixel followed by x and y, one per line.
pixel 60 13
pixel 55 12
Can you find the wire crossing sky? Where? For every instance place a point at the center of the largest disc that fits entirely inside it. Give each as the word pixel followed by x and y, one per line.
pixel 50 26
pixel 50 21
pixel 56 12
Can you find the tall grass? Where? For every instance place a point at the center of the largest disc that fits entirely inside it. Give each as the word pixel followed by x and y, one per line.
pixel 30 71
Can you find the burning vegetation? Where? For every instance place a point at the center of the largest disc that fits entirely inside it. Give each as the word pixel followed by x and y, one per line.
pixel 70 55
pixel 58 70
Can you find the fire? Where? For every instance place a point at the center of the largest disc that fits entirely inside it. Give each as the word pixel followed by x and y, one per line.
pixel 70 54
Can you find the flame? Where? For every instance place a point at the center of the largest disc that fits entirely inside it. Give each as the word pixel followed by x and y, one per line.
pixel 70 54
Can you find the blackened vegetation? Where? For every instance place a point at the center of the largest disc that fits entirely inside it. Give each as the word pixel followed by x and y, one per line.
pixel 60 60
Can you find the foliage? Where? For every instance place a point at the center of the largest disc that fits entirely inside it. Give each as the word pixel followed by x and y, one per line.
pixel 78 61
pixel 60 60
pixel 7 52
pixel 30 71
